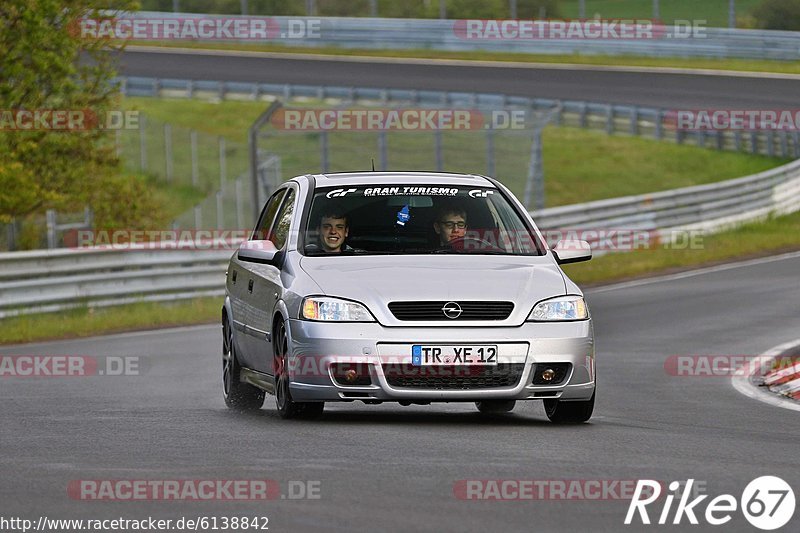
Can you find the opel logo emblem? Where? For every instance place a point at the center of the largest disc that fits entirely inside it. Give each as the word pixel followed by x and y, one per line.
pixel 452 310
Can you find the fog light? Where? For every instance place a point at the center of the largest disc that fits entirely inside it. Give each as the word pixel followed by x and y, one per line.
pixel 548 374
pixel 350 375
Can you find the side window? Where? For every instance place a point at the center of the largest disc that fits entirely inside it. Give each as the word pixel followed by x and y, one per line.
pixel 267 216
pixel 280 230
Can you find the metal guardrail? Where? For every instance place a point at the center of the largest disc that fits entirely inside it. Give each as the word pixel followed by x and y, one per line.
pixel 447 35
pixel 62 279
pixel 612 118
pixel 55 280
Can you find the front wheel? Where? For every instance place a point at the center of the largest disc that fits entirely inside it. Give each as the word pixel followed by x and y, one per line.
pixel 238 395
pixel 287 407
pixel 561 412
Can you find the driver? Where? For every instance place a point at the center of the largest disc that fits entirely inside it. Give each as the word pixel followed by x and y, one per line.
pixel 450 224
pixel 332 231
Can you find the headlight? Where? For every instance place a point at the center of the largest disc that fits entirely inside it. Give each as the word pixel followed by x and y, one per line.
pixel 561 308
pixel 335 310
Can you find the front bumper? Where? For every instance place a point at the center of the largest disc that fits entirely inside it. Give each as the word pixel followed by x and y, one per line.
pixel 315 345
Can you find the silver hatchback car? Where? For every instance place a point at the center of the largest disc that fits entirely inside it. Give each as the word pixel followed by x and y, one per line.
pixel 405 287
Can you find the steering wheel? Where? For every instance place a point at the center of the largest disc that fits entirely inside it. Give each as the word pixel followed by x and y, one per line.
pixel 460 243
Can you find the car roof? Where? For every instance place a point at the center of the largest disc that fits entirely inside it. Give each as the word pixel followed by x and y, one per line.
pixel 400 178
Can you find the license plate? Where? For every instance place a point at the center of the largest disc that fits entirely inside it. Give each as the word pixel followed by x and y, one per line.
pixel 473 354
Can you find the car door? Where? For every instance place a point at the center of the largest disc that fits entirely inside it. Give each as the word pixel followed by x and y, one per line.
pixel 268 287
pixel 241 286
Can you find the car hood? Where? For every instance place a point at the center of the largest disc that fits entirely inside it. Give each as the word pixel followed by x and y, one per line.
pixel 378 280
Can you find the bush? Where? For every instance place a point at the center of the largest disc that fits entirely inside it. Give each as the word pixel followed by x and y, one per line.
pixel 778 15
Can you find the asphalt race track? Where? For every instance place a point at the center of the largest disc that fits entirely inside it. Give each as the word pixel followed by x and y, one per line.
pixel 394 468
pixel 669 91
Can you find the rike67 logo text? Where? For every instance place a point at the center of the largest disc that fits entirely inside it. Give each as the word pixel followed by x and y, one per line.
pixel 767 502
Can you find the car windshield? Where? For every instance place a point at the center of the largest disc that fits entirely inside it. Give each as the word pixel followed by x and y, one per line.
pixel 415 219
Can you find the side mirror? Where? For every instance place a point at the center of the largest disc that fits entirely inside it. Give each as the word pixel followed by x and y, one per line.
pixel 572 252
pixel 257 252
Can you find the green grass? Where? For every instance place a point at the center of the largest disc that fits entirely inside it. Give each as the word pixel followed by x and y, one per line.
pixel 714 11
pixel 783 67
pixel 580 165
pixel 85 322
pixel 775 235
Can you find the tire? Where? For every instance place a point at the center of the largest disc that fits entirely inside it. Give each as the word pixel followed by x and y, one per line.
pixel 239 396
pixel 492 407
pixel 569 412
pixel 287 407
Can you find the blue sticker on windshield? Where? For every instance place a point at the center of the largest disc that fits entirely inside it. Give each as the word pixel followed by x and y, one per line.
pixel 403 216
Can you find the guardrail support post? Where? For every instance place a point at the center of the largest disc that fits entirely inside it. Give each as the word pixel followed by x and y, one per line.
pixel 583 111
pixel 784 143
pixel 610 119
pixel 635 121
pixel 659 132
pixel 770 144
pixel 796 138
pixel 720 140
pixel 737 140
pixel 753 142
pixel 198 217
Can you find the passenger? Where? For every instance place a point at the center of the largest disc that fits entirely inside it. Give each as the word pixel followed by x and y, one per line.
pixel 332 231
pixel 450 224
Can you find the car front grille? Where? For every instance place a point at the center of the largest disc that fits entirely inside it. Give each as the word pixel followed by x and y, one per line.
pixel 457 377
pixel 425 311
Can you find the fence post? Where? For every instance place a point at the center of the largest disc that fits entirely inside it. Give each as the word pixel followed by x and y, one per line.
pixel 118 142
pixel 437 146
pixel 143 143
pixel 382 149
pixel 223 167
pixel 220 213
pixel 635 121
pixel 535 184
pixel 195 164
pixel 490 151
pixel 198 217
pixel 324 162
pixel 239 206
pixel 168 150
pixel 50 217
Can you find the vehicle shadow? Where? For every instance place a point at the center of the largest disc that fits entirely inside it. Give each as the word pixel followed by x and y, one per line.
pixel 370 416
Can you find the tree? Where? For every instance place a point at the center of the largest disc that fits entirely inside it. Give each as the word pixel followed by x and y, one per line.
pixel 47 65
pixel 778 14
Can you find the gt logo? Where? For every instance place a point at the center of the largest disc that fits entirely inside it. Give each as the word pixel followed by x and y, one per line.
pixel 338 193
pixel 477 193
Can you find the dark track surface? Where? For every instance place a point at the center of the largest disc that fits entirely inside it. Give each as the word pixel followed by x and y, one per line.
pixel 647 89
pixel 392 468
